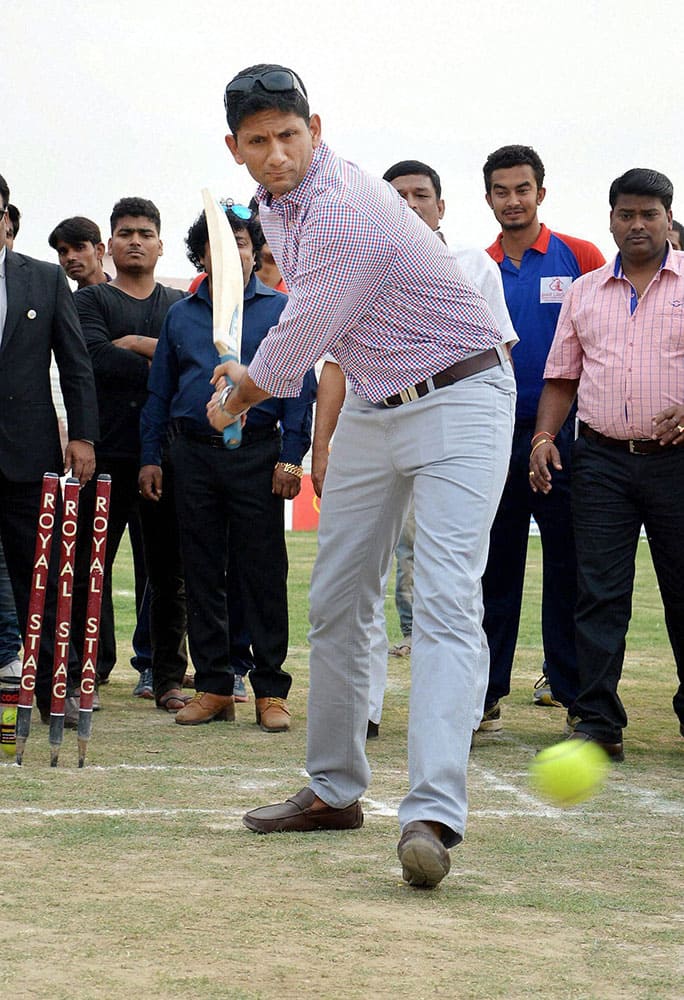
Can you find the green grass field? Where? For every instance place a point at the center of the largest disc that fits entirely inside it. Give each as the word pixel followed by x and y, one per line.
pixel 135 878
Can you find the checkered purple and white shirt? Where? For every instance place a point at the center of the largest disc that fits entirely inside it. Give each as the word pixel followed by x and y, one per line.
pixel 368 282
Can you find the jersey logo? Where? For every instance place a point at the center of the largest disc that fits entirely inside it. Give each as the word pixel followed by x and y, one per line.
pixel 554 289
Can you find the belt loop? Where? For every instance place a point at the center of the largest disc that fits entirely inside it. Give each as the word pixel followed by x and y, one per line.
pixel 500 349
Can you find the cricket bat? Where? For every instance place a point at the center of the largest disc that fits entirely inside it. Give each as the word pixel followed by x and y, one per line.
pixel 228 288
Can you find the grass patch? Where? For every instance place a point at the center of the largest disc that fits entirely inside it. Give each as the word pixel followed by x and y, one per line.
pixel 135 877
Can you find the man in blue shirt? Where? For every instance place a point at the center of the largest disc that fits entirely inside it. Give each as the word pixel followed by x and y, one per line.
pixel 223 494
pixel 537 267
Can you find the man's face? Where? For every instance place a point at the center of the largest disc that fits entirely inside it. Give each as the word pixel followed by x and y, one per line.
pixel 82 261
pixel 246 249
pixel 639 225
pixel 9 234
pixel 276 147
pixel 514 197
pixel 134 245
pixel 419 193
pixel 268 272
pixel 673 237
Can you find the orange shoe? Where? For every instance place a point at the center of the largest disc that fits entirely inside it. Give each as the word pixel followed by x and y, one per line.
pixel 273 715
pixel 206 707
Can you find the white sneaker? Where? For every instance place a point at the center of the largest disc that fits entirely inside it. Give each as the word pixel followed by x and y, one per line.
pixel 11 671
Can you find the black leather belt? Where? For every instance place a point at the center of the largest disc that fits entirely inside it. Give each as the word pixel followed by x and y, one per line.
pixel 636 446
pixel 212 440
pixel 186 429
pixel 454 373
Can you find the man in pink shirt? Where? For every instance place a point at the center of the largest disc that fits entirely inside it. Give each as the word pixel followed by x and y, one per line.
pixel 619 347
pixel 428 413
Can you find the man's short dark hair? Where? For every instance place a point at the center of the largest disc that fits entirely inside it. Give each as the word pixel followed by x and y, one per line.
pixel 240 104
pixel 15 217
pixel 4 192
pixel 647 183
pixel 75 230
pixel 135 207
pixel 406 167
pixel 678 228
pixel 198 236
pixel 513 156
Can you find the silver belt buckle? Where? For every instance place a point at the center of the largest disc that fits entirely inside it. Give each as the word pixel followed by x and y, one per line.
pixel 631 447
pixel 408 395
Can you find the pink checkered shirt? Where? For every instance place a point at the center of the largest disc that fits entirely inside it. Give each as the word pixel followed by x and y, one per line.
pixel 630 366
pixel 369 283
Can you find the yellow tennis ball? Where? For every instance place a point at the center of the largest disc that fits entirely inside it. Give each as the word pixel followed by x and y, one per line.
pixel 8 731
pixel 569 772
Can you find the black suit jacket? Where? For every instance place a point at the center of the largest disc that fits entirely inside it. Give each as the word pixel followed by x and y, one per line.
pixel 41 319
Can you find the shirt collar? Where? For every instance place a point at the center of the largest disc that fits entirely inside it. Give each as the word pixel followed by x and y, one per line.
pixel 672 261
pixel 3 258
pixel 541 244
pixel 301 195
pixel 255 286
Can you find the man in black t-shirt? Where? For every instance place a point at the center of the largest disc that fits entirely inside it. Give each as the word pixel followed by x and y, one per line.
pixel 121 322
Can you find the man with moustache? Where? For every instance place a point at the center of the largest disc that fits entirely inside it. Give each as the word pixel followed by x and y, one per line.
pixel 619 349
pixel 429 411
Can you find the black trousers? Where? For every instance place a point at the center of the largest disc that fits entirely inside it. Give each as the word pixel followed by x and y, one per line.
pixel 225 505
pixel 502 583
pixel 19 506
pixel 162 558
pixel 614 493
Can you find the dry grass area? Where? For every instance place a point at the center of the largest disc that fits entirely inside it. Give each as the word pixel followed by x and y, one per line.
pixel 135 878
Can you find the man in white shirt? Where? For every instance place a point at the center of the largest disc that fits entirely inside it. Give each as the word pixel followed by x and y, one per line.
pixel 420 186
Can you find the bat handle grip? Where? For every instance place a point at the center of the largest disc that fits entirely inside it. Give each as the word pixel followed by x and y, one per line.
pixel 232 434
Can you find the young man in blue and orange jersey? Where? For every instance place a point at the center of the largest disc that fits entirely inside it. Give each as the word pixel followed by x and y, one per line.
pixel 537 267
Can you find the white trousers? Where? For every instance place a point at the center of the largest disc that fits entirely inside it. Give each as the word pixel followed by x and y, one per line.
pixel 451 450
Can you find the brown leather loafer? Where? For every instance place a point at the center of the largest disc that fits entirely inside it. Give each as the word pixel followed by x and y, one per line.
pixel 424 858
pixel 207 708
pixel 615 751
pixel 297 816
pixel 272 714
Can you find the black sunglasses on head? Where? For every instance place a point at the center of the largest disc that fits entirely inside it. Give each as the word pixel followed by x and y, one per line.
pixel 277 81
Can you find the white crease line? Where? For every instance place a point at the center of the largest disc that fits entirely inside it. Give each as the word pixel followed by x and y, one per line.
pixel 217 769
pixel 133 813
pixel 650 800
pixel 534 806
pixel 371 808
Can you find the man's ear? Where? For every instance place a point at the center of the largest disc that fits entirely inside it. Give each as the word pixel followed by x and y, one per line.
pixel 99 251
pixel 315 130
pixel 231 143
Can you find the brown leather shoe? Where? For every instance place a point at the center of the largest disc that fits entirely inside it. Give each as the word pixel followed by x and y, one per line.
pixel 615 751
pixel 297 816
pixel 273 715
pixel 207 708
pixel 424 858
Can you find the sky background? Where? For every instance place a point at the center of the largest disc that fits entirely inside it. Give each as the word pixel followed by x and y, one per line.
pixel 106 100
